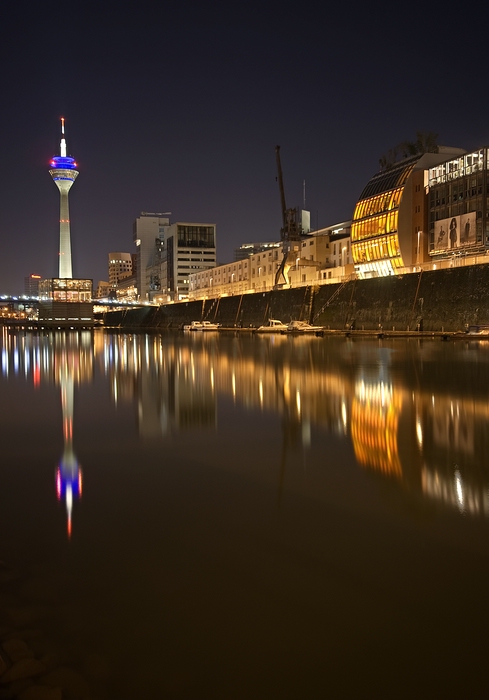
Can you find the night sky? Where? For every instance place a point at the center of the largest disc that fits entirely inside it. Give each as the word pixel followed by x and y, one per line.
pixel 178 107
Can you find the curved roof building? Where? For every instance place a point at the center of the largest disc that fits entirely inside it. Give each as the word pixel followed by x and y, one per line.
pixel 390 220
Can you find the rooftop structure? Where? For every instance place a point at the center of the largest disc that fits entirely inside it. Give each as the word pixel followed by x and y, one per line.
pixel 247 249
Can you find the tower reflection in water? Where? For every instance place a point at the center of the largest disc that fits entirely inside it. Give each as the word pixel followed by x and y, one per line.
pixel 69 472
pixel 65 358
pixel 407 416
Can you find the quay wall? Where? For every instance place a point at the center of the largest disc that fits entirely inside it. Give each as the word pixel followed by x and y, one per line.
pixel 438 300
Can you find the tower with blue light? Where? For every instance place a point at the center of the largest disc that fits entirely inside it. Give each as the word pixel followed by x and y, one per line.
pixel 64 173
pixel 63 300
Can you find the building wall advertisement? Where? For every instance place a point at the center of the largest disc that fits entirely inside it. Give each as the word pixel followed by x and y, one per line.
pixel 454 232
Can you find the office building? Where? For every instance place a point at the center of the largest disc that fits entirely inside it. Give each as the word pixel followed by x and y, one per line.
pixel 31 285
pixel 458 223
pixel 168 253
pixel 148 235
pixel 120 266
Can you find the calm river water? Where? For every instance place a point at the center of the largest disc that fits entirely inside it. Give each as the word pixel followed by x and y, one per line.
pixel 259 517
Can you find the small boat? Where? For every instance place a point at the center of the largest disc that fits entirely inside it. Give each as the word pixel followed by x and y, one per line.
pixel 201 326
pixel 478 330
pixel 194 326
pixel 303 327
pixel 273 326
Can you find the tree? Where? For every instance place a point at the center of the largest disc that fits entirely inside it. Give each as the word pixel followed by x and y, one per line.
pixel 426 142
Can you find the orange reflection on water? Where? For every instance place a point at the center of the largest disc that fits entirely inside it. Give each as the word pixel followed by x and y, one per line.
pixel 374 426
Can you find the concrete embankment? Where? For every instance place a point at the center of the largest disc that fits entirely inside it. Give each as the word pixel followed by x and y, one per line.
pixel 439 300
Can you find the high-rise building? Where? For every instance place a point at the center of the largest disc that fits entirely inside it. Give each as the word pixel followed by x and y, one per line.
pixel 64 173
pixel 169 253
pixel 31 285
pixel 120 266
pixel 148 232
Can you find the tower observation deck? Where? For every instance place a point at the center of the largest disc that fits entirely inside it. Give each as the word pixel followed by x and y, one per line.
pixel 64 173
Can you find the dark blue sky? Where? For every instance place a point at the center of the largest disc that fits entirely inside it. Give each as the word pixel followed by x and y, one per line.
pixel 178 107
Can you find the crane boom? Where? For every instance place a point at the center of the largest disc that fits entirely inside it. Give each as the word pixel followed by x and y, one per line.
pixel 282 191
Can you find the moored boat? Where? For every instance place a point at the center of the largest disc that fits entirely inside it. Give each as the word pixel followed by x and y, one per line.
pixel 303 327
pixel 201 326
pixel 193 326
pixel 273 326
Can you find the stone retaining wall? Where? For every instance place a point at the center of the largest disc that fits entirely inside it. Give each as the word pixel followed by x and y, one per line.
pixel 446 300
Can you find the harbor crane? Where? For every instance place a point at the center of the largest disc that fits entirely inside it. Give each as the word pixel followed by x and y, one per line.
pixel 291 228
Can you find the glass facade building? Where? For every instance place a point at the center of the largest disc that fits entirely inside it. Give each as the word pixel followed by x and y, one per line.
pixel 66 302
pixel 389 224
pixel 375 241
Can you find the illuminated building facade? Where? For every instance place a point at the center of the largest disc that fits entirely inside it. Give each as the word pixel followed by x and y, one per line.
pixel 321 257
pixel 103 290
pixel 458 211
pixel 389 226
pixel 66 302
pixel 120 266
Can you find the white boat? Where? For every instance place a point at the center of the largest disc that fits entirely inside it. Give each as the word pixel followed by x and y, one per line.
pixel 478 330
pixel 201 326
pixel 273 326
pixel 194 326
pixel 303 327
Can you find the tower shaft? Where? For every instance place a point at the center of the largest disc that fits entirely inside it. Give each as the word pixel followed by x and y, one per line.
pixel 65 268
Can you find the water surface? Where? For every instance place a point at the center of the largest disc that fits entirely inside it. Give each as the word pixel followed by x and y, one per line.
pixel 211 516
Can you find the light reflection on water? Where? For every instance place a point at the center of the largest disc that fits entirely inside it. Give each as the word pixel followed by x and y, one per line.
pixel 341 424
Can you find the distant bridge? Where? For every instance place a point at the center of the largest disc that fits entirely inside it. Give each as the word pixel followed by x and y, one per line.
pixel 27 300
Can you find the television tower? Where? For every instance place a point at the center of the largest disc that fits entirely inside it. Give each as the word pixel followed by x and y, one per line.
pixel 64 175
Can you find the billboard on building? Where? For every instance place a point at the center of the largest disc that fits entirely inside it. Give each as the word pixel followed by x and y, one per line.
pixel 454 232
